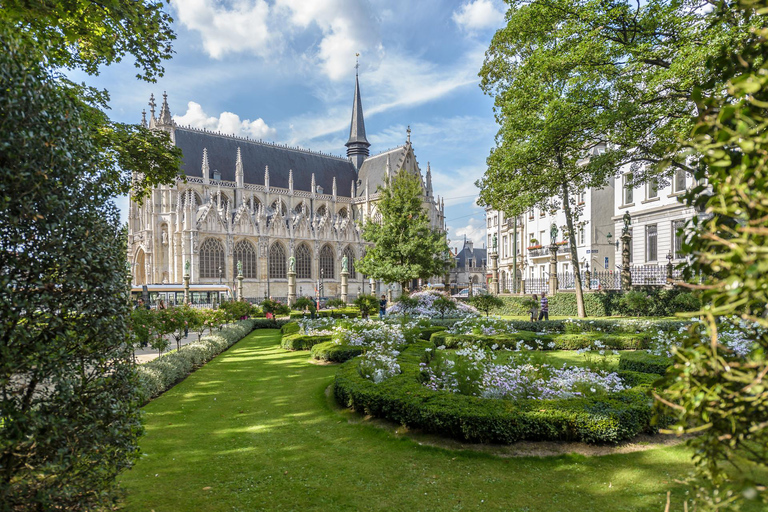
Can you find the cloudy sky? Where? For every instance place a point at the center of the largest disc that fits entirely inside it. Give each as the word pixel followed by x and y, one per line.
pixel 283 70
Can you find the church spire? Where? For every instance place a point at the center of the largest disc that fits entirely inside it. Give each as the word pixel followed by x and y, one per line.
pixel 357 145
pixel 165 112
pixel 205 168
pixel 429 180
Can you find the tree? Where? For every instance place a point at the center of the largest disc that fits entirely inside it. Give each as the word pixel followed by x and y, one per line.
pixel 486 302
pixel 197 320
pixel 710 390
pixel 305 303
pixel 235 309
pixel 550 124
pixel 275 308
pixel 335 303
pixel 444 305
pixel 405 246
pixel 367 304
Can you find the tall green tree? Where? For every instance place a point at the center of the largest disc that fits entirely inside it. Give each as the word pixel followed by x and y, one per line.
pixel 550 123
pixel 69 401
pixel 711 390
pixel 405 246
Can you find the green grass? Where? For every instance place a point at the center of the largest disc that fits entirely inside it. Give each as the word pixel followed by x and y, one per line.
pixel 254 430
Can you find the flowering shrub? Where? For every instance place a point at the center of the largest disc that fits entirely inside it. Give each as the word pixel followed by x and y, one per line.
pixel 482 326
pixel 379 364
pixel 360 333
pixel 317 327
pixel 734 335
pixel 474 371
pixel 425 306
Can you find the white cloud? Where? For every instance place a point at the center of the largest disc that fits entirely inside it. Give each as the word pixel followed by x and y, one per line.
pixel 241 27
pixel 474 230
pixel 227 122
pixel 478 15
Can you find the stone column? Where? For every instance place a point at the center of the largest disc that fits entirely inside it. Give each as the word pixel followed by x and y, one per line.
pixel 553 269
pixel 588 278
pixel 240 287
pixel 494 273
pixel 291 287
pixel 345 285
pixel 626 274
pixel 374 291
pixel 186 287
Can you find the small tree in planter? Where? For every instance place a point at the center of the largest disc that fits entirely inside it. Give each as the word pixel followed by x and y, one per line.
pixel 235 310
pixel 175 323
pixel 408 304
pixel 335 303
pixel 198 320
pixel 142 327
pixel 274 308
pixel 367 304
pixel 443 305
pixel 486 302
pixel 305 304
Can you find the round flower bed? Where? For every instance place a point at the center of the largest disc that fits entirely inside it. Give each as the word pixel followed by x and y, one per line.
pixel 507 404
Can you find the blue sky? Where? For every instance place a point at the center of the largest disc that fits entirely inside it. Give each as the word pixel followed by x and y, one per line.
pixel 283 70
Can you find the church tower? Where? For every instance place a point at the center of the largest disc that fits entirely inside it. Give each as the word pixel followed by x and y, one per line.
pixel 357 145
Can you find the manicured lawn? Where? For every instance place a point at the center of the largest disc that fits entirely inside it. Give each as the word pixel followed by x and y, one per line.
pixel 254 430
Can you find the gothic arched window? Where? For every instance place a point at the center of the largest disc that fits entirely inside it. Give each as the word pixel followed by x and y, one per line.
pixel 343 213
pixel 326 262
pixel 196 200
pixel 220 200
pixel 278 205
pixel 245 252
pixel 322 211
pixel 303 262
pixel 350 254
pixel 277 261
pixel 211 258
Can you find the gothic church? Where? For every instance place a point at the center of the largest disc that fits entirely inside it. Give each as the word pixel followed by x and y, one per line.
pixel 259 204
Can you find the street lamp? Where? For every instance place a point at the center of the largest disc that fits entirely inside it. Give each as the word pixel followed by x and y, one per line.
pixel 220 271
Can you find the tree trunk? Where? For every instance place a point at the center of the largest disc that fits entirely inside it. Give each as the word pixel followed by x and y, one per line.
pixel 574 253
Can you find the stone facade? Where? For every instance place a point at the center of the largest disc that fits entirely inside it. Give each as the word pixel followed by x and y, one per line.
pixel 261 204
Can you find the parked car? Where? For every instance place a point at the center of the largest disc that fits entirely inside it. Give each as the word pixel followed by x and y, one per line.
pixel 476 290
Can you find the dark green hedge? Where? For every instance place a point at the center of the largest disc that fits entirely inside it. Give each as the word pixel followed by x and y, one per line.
pixel 662 302
pixel 644 362
pixel 263 323
pixel 402 398
pixel 427 332
pixel 290 328
pixel 332 313
pixel 330 351
pixel 298 341
pixel 562 341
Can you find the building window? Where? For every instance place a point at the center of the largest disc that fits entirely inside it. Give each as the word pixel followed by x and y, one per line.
pixel 628 190
pixel 303 262
pixel 350 262
pixel 530 214
pixel 211 258
pixel 489 222
pixel 469 263
pixel 541 238
pixel 504 246
pixel 581 197
pixel 680 179
pixel 581 235
pixel 653 188
pixel 277 261
pixel 495 221
pixel 245 253
pixel 326 263
pixel 677 237
pixel 651 247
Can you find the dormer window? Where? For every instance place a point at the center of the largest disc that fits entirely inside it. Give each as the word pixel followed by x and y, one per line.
pixel 217 175
pixel 319 189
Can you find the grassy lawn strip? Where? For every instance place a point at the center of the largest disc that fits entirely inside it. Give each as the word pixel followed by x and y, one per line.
pixel 252 430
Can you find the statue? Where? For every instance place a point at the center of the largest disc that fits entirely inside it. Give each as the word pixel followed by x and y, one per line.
pixel 186 267
pixel 627 221
pixel 292 264
pixel 164 237
pixel 344 264
pixel 494 242
pixel 239 268
pixel 553 233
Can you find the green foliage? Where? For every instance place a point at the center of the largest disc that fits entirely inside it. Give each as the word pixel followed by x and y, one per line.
pixel 298 341
pixel 534 340
pixel 718 396
pixel 235 309
pixel 402 398
pixel 367 304
pixel 335 303
pixel 635 303
pixel 332 352
pixel 425 333
pixel 405 246
pixel 644 362
pixel 444 305
pixel 330 313
pixel 276 308
pixel 290 328
pixel 485 302
pixel 158 375
pixel 68 398
pixel 305 303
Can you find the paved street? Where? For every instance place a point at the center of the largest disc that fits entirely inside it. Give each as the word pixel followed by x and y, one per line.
pixel 148 354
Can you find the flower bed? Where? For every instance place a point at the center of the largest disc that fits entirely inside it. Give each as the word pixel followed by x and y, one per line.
pixel 608 417
pixel 539 341
pixel 425 306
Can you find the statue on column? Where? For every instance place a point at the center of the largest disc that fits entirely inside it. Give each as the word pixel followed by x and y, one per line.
pixel 292 264
pixel 186 267
pixel 494 242
pixel 239 268
pixel 344 264
pixel 553 233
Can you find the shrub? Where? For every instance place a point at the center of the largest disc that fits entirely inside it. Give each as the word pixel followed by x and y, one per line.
pixel 427 332
pixel 330 313
pixel 235 310
pixel 635 303
pixel 543 341
pixel 301 341
pixel 335 303
pixel 330 351
pixel 486 303
pixel 644 362
pixel 158 375
pixel 685 302
pixel 367 304
pixel 290 328
pixel 305 303
pixel 402 398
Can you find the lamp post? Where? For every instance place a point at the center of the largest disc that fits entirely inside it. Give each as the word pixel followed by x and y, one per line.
pixel 220 273
pixel 670 257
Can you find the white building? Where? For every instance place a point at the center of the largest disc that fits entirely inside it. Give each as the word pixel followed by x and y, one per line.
pixel 656 214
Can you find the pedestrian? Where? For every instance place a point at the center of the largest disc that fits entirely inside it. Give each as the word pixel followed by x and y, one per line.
pixel 161 304
pixel 544 314
pixel 382 307
pixel 535 308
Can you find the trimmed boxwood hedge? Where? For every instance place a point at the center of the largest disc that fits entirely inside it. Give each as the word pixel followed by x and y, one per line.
pixel 330 351
pixel 298 341
pixel 644 362
pixel 402 398
pixel 332 313
pixel 427 332
pixel 562 341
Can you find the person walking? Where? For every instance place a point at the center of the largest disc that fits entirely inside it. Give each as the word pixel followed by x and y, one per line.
pixel 382 307
pixel 161 304
pixel 535 308
pixel 544 314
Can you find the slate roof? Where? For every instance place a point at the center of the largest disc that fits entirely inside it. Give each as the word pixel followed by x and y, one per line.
pixel 468 252
pixel 222 154
pixel 374 168
pixel 357 125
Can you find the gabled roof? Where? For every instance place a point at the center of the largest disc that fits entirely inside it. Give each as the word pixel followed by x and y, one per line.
pixel 222 155
pixel 469 252
pixel 374 169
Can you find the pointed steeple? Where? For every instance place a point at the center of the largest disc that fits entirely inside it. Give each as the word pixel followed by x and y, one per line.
pixel 357 145
pixel 206 169
pixel 239 169
pixel 314 186
pixel 151 104
pixel 266 177
pixel 334 188
pixel 352 190
pixel 165 112
pixel 143 118
pixel 429 180
pixel 290 180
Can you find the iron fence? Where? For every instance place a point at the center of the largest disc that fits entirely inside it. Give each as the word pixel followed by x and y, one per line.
pixel 537 285
pixel 605 280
